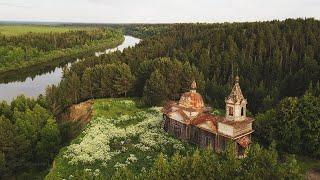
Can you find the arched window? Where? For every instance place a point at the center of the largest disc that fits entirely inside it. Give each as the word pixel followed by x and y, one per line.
pixel 242 113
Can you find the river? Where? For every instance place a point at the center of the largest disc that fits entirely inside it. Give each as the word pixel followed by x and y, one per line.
pixel 34 85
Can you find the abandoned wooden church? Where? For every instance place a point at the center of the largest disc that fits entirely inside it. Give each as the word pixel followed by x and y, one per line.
pixel 190 120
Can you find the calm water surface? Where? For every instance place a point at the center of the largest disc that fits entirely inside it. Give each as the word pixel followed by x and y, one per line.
pixel 33 86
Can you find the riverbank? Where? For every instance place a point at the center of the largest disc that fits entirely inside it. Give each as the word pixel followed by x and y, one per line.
pixel 32 81
pixel 56 55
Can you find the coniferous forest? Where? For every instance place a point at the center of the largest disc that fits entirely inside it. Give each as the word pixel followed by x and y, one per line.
pixel 279 67
pixel 274 60
pixel 26 49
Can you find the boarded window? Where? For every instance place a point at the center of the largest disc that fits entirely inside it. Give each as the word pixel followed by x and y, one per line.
pixel 230 111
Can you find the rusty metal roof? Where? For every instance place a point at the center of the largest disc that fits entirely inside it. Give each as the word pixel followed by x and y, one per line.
pixel 191 100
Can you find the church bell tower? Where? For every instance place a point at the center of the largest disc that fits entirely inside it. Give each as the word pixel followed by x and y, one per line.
pixel 236 104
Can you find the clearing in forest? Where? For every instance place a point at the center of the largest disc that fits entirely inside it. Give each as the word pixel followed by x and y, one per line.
pixel 120 134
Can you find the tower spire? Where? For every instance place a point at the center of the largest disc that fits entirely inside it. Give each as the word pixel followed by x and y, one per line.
pixel 237 76
pixel 193 86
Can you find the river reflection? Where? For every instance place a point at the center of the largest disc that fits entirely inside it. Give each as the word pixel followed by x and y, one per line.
pixel 33 81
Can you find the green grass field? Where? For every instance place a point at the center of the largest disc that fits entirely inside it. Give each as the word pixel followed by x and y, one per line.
pixel 120 134
pixel 14 30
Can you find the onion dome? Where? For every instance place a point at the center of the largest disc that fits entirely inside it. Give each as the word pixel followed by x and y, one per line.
pixel 192 99
pixel 236 95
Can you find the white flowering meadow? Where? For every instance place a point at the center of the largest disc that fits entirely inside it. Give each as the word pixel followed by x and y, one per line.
pixel 119 135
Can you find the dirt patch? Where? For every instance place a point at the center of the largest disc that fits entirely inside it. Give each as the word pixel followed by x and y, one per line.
pixel 75 119
pixel 79 112
pixel 313 175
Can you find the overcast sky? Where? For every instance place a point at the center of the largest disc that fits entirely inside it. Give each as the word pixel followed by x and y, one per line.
pixel 156 11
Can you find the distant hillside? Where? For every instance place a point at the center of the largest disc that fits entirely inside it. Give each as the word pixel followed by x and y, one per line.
pixel 23 46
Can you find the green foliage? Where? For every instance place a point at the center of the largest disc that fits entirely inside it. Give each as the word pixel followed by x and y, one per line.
pixel 2 163
pixel 110 80
pixel 29 49
pixel 159 162
pixel 49 142
pixel 13 145
pixel 120 134
pixel 124 80
pixel 205 164
pixel 160 169
pixel 29 136
pixel 314 89
pixel 275 59
pixel 123 174
pixel 294 124
pixel 155 90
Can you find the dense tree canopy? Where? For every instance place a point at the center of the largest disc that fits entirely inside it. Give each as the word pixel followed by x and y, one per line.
pixel 277 61
pixel 33 48
pixel 29 136
pixel 294 124
pixel 155 90
pixel 260 164
pixel 272 58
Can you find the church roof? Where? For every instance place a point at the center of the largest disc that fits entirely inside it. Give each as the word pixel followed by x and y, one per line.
pixel 236 95
pixel 206 121
pixel 192 99
pixel 235 124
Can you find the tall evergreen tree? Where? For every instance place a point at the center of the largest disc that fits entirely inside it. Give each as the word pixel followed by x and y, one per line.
pixel 124 80
pixel 87 86
pixel 155 90
pixel 13 145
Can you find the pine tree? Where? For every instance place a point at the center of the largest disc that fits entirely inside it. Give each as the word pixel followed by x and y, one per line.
pixel 87 87
pixel 160 169
pixel 53 99
pixel 13 145
pixel 186 77
pixel 155 90
pixel 177 167
pixel 73 86
pixel 308 118
pixel 124 80
pixel 123 174
pixel 2 165
pixel 49 142
pixel 108 77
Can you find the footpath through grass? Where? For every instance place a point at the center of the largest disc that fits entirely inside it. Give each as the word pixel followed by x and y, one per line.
pixel 120 134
